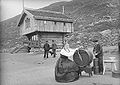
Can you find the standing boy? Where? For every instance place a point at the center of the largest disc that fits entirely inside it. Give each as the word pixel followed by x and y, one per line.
pixel 46 49
pixel 54 47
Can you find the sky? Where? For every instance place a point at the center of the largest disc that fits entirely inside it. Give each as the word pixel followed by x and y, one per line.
pixel 11 8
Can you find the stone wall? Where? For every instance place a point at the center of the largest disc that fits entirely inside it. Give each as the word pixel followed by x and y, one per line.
pixel 84 39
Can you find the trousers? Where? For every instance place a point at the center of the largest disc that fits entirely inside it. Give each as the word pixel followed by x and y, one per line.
pixel 46 53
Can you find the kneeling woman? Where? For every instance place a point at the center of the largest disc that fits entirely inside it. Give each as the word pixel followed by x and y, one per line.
pixel 66 70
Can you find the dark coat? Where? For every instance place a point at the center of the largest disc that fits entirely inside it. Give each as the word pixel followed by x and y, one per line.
pixel 66 70
pixel 54 46
pixel 46 47
pixel 98 49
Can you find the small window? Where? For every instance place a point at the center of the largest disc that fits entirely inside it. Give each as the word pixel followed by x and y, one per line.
pixel 45 22
pixel 55 23
pixel 27 23
pixel 64 24
pixel 32 38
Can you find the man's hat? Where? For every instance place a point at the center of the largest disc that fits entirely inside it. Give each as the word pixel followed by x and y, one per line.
pixel 94 40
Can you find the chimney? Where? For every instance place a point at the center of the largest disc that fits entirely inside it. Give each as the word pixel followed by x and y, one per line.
pixel 63 10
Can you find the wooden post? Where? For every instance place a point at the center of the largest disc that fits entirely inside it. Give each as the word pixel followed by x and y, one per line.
pixel 28 36
pixel 63 40
pixel 30 40
pixel 39 40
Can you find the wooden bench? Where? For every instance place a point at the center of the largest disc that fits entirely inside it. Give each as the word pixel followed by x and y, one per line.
pixel 113 65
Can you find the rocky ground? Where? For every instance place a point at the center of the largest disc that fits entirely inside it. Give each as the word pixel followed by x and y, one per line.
pixel 32 69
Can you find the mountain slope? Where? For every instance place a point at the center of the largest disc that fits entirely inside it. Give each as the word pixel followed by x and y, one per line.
pixel 89 16
pixel 87 12
pixel 9 31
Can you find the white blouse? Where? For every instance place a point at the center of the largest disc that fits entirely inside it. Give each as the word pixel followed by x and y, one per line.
pixel 67 51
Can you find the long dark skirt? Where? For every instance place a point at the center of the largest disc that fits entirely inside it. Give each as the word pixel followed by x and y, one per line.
pixel 66 70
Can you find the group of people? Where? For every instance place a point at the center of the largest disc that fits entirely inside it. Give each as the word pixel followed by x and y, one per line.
pixel 47 48
pixel 66 70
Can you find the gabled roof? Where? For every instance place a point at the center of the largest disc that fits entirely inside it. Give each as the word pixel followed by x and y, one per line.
pixel 49 15
pixel 45 15
pixel 21 19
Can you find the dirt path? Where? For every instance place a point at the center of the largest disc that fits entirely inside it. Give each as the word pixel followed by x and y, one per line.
pixel 29 69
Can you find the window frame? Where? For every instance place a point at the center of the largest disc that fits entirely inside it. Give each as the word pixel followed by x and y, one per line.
pixel 27 23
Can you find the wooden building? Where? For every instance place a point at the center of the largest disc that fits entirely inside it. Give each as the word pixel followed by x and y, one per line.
pixel 41 25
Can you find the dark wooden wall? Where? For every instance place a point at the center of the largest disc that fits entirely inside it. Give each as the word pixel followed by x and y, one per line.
pixel 38 39
pixel 58 37
pixel 53 26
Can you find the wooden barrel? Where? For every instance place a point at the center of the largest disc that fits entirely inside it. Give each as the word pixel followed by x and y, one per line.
pixel 82 57
pixel 95 62
pixel 95 66
pixel 96 70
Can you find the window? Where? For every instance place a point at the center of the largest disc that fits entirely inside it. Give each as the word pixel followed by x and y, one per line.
pixel 45 22
pixel 55 23
pixel 64 23
pixel 27 23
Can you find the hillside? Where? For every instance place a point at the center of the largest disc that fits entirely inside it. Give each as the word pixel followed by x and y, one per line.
pixel 88 12
pixel 89 15
pixel 10 35
pixel 9 27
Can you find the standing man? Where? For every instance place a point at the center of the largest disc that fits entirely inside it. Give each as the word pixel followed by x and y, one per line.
pixel 54 47
pixel 46 49
pixel 98 52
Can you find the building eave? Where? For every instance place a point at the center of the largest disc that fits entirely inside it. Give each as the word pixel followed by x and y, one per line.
pixel 23 14
pixel 53 19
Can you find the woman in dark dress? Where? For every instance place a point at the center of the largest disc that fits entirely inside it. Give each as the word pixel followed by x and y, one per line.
pixel 66 70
